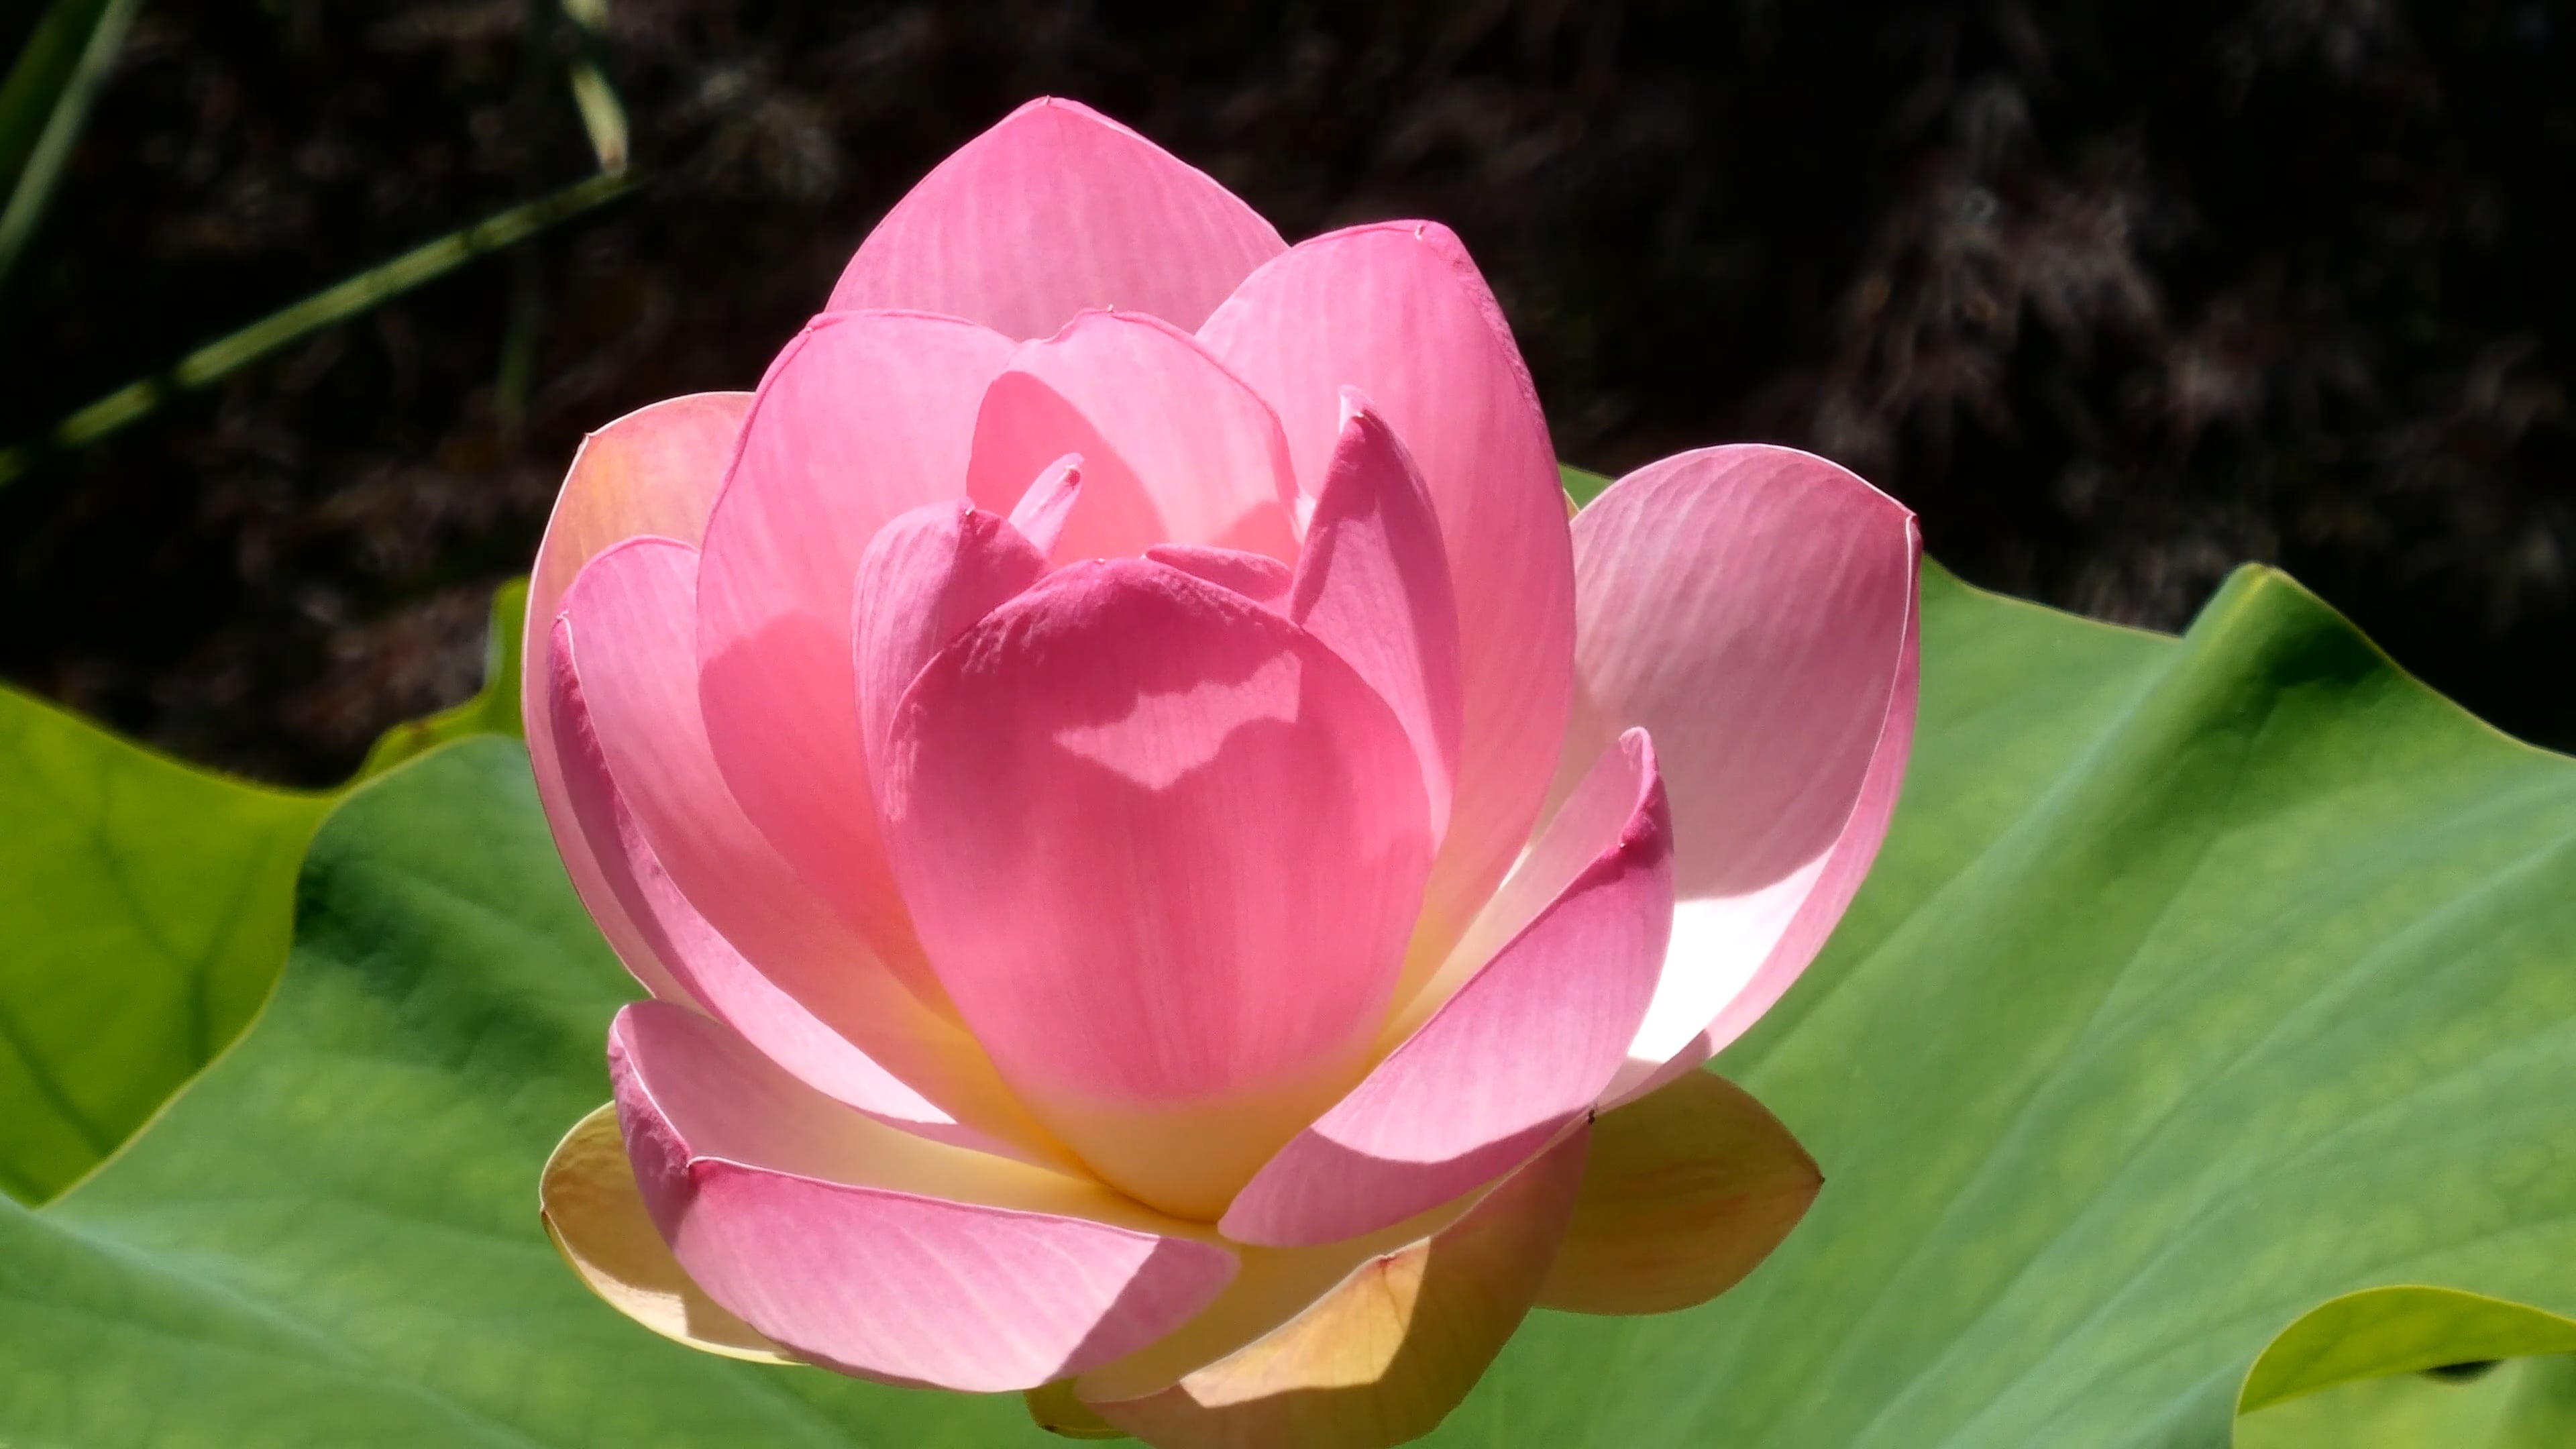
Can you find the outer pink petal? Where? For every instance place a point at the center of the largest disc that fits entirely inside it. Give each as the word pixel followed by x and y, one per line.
pixel 1754 608
pixel 863 416
pixel 746 936
pixel 1399 312
pixel 1522 1049
pixel 654 470
pixel 928 576
pixel 1374 586
pixel 1056 209
pixel 1174 447
pixel 1164 848
pixel 876 1252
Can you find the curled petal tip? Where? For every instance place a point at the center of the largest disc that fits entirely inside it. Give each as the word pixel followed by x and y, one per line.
pixel 1043 510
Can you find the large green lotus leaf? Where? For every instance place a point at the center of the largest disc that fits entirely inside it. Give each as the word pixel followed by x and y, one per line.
pixel 332 1238
pixel 147 906
pixel 2200 983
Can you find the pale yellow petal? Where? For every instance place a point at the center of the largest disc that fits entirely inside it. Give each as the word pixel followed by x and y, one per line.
pixel 596 1217
pixel 1688 1188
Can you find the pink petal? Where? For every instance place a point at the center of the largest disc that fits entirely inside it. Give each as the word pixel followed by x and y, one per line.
pixel 1753 607
pixel 745 936
pixel 708 972
pixel 1164 848
pixel 1382 1359
pixel 863 416
pixel 1043 511
pixel 927 577
pixel 876 1252
pixel 1374 586
pixel 1523 1048
pixel 654 470
pixel 1399 312
pixel 1258 577
pixel 1056 209
pixel 1174 447
pixel 593 1210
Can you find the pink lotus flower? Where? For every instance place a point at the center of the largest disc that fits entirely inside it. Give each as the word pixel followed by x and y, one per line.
pixel 1156 848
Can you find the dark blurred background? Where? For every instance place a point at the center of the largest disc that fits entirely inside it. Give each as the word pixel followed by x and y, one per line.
pixel 2115 295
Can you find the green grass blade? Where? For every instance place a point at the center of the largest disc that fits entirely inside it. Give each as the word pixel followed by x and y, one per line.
pixel 44 102
pixel 361 293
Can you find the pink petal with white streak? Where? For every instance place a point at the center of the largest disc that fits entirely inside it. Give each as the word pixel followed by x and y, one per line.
pixel 1753 607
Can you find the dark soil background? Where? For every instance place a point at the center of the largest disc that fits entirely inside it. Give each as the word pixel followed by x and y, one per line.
pixel 2115 295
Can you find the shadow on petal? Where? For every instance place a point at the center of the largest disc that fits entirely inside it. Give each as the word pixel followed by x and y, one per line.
pixel 1055 1409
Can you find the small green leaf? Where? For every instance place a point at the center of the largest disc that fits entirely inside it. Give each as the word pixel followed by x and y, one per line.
pixel 2519 1404
pixel 2397 1330
pixel 1581 485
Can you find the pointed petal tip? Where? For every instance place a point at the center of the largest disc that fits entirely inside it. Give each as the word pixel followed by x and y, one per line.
pixel 1055 208
pixel 1687 1191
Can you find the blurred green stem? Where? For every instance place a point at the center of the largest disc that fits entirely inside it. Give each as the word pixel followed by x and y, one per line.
pixel 602 116
pixel 55 76
pixel 370 288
